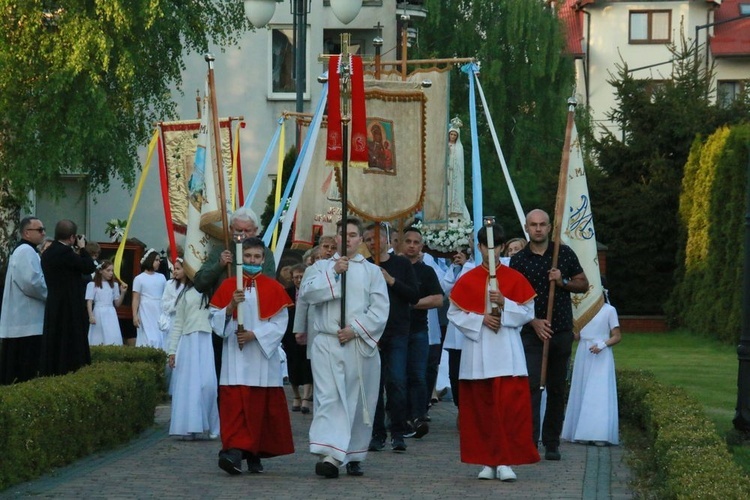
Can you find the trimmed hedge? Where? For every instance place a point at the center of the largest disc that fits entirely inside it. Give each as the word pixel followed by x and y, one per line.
pixel 114 353
pixel 690 459
pixel 51 421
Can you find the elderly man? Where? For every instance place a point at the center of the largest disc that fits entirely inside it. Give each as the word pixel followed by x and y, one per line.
pixel 243 221
pixel 22 317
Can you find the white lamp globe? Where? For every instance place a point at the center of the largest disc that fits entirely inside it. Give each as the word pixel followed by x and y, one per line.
pixel 259 12
pixel 346 10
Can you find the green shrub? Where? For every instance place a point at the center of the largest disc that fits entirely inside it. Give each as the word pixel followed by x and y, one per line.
pixel 50 421
pixel 125 354
pixel 689 458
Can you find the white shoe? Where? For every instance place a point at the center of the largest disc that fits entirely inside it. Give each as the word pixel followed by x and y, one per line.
pixel 487 473
pixel 505 473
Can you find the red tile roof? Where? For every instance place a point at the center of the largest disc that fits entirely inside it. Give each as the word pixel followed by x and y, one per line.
pixel 733 38
pixel 572 20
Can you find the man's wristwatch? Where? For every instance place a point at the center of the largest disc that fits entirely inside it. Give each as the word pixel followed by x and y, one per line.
pixel 565 282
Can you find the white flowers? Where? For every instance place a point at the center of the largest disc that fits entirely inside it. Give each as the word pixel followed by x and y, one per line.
pixel 447 239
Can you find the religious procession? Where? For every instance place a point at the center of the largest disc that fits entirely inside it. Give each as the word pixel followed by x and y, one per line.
pixel 357 328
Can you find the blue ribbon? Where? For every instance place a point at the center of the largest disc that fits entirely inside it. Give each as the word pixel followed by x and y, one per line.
pixel 264 164
pixel 293 177
pixel 476 168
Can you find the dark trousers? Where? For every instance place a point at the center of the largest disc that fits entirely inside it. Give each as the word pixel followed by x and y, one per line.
pixel 393 354
pixel 454 363
pixel 416 370
pixel 557 368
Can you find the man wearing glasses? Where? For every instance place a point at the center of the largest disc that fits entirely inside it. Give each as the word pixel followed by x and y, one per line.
pixel 22 316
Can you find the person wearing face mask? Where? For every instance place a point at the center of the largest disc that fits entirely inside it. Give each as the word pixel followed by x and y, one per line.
pixel 252 405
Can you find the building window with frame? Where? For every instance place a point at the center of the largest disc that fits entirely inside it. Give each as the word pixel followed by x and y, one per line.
pixel 282 61
pixel 728 91
pixel 650 26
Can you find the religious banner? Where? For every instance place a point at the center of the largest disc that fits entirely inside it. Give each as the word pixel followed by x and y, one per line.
pixel 577 226
pixel 203 205
pixel 180 142
pixel 394 179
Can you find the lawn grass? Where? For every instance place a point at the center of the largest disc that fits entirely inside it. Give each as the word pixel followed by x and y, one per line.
pixel 705 368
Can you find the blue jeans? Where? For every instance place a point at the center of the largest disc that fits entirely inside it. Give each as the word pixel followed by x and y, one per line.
pixel 416 369
pixel 393 353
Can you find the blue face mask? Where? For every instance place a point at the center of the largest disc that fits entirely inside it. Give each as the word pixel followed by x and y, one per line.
pixel 251 268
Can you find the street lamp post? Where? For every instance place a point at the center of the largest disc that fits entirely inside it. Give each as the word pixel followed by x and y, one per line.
pixel 260 12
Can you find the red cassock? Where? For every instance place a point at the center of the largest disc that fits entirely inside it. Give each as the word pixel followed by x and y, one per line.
pixel 495 422
pixel 253 418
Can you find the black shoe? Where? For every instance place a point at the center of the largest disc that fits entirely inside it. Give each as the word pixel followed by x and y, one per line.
pixel 398 444
pixel 376 444
pixel 230 461
pixel 327 469
pixel 353 469
pixel 421 429
pixel 552 453
pixel 253 465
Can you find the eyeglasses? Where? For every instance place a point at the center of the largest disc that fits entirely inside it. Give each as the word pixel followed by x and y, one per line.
pixel 40 229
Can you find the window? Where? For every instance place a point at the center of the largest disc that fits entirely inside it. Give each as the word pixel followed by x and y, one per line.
pixel 745 9
pixel 729 91
pixel 282 61
pixel 650 26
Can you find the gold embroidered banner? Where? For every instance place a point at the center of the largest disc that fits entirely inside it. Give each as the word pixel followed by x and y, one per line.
pixel 180 141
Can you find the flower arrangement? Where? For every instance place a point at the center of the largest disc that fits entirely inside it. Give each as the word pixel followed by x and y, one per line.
pixel 115 229
pixel 451 238
pixel 284 211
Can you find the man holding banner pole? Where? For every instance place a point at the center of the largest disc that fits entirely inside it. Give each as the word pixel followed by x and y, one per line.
pixel 552 281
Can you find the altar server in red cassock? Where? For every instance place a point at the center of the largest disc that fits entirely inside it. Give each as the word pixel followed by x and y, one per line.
pixel 252 405
pixel 495 405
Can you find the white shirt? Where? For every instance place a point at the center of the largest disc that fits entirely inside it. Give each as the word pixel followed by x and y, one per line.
pixel 367 303
pixel 258 363
pixel 453 338
pixel 487 354
pixel 24 296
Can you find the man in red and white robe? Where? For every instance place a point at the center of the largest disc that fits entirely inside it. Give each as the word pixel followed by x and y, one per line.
pixel 252 405
pixel 495 405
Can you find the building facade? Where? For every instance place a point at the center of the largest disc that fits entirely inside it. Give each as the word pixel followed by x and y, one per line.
pixel 604 33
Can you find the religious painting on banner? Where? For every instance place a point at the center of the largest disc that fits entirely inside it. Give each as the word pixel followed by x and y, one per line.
pixel 193 184
pixel 180 142
pixel 380 146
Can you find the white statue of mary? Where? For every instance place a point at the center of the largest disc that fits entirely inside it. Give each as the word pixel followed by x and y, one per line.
pixel 457 210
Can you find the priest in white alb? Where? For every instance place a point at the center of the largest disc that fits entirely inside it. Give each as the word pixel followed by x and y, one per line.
pixel 345 359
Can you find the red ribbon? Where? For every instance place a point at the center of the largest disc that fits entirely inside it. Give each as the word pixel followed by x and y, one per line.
pixel 165 201
pixel 334 151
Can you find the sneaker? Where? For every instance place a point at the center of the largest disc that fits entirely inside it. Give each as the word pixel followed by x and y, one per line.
pixel 552 452
pixel 376 444
pixel 487 472
pixel 230 461
pixel 253 465
pixel 398 444
pixel 327 470
pixel 505 473
pixel 421 429
pixel 354 469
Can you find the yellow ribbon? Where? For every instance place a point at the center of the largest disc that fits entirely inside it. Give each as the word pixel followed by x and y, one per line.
pixel 279 172
pixel 144 174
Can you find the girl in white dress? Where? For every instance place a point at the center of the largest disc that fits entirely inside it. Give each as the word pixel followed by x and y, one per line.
pixel 102 296
pixel 191 357
pixel 148 287
pixel 169 298
pixel 591 414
